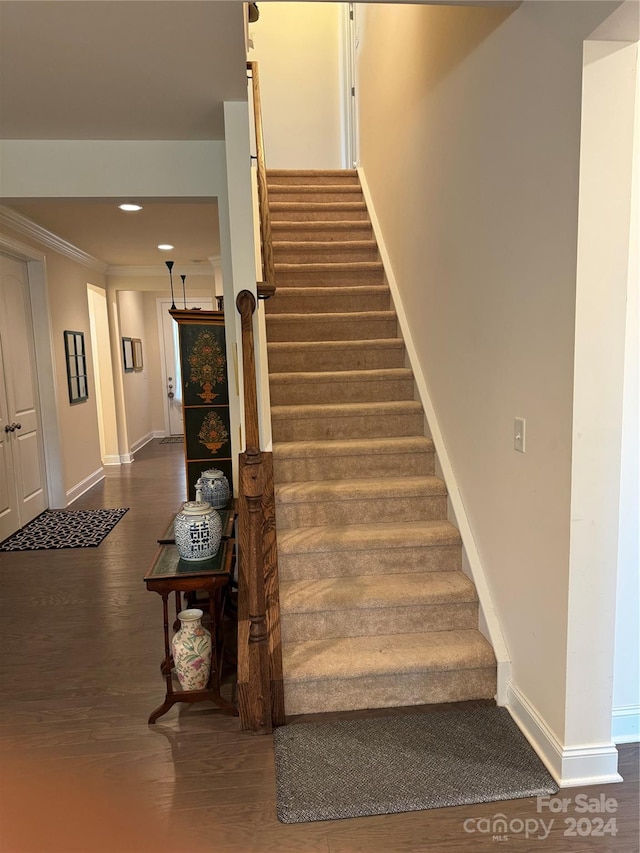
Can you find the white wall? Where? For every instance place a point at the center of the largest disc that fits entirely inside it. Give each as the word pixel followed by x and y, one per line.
pixel 137 394
pixel 470 144
pixel 297 47
pixel 626 684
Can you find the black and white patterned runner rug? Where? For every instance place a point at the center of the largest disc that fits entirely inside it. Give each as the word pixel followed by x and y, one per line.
pixel 64 528
pixel 172 439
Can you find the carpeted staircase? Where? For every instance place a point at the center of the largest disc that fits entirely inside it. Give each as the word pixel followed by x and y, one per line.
pixel 375 609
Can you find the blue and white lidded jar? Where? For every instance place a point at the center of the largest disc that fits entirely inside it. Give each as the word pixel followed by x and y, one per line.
pixel 215 488
pixel 198 530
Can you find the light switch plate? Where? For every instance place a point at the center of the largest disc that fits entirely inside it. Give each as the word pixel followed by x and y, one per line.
pixel 519 428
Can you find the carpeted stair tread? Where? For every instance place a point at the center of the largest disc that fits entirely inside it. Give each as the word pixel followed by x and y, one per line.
pixel 314 176
pixel 341 266
pixel 387 488
pixel 324 300
pixel 314 211
pixel 387 654
pixel 352 447
pixel 345 386
pixel 340 189
pixel 393 407
pixel 331 251
pixel 368 537
pixel 375 592
pixel 319 230
pixel 336 459
pixel 335 355
pixel 341 376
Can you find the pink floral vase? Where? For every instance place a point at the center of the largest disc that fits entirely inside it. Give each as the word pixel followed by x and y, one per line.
pixel 191 646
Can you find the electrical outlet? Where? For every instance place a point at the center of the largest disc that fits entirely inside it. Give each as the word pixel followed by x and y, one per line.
pixel 519 428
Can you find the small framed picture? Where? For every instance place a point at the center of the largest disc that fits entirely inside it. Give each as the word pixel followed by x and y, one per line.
pixel 76 367
pixel 137 353
pixel 127 354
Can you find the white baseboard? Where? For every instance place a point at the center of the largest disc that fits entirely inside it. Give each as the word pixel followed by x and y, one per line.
pixel 83 486
pixel 140 443
pixel 626 724
pixel 489 624
pixel 159 433
pixel 126 458
pixel 111 459
pixel 570 766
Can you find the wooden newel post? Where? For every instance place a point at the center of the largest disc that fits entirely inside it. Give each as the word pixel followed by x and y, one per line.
pixel 254 677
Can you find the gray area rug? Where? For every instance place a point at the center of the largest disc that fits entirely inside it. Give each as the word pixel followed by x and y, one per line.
pixel 385 765
pixel 172 439
pixel 64 528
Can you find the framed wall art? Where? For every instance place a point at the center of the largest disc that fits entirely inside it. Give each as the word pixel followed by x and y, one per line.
pixel 127 354
pixel 76 367
pixel 137 353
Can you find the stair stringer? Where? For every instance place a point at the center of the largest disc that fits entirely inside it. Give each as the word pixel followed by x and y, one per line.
pixel 488 623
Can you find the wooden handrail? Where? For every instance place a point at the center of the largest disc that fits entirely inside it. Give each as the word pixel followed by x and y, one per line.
pixel 254 689
pixel 268 265
pixel 260 691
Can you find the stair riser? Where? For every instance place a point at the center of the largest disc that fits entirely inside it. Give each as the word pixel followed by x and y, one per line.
pixel 362 622
pixel 315 194
pixel 308 233
pixel 332 303
pixel 320 513
pixel 301 277
pixel 313 177
pixel 345 467
pixel 365 426
pixel 337 255
pixel 314 329
pixel 332 213
pixel 290 394
pixel 389 691
pixel 389 561
pixel 289 361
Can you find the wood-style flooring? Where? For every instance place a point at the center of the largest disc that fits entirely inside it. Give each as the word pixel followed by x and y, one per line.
pixel 81 771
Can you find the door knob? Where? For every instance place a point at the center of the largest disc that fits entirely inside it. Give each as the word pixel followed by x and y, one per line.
pixel 17 426
pixel 9 428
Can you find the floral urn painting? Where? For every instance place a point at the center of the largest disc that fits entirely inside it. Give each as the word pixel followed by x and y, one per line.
pixel 207 365
pixel 213 433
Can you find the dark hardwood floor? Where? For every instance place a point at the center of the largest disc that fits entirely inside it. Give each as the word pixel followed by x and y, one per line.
pixel 81 770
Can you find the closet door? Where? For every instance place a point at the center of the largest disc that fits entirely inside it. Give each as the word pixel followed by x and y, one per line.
pixel 22 478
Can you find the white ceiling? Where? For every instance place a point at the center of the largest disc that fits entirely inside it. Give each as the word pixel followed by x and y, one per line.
pixel 122 69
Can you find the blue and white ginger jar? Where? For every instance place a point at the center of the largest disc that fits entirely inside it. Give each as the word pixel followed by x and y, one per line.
pixel 198 530
pixel 215 488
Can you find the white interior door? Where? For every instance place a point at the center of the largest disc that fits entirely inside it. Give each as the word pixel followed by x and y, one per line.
pixel 170 355
pixel 22 477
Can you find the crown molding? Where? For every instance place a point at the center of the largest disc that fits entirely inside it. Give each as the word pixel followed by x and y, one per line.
pixel 25 226
pixel 157 270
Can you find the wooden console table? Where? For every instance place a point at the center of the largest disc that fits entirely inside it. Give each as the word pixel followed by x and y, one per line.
pixel 169 574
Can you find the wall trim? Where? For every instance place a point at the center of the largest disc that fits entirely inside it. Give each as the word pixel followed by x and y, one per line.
pixel 84 485
pixel 25 226
pixel 159 433
pixel 126 458
pixel 626 724
pixel 140 443
pixel 111 459
pixel 570 766
pixel 159 270
pixel 489 624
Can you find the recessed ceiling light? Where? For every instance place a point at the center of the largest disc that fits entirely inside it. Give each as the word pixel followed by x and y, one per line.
pixel 165 247
pixel 130 208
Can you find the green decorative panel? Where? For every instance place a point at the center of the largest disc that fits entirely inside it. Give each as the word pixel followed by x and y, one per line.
pixel 205 394
pixel 204 365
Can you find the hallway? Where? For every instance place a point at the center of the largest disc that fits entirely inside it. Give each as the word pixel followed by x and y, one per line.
pixel 79 675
